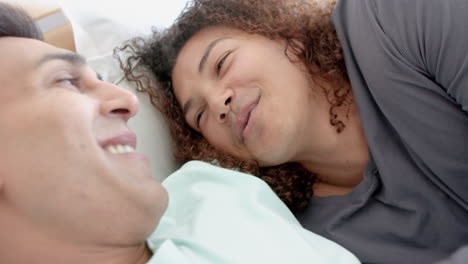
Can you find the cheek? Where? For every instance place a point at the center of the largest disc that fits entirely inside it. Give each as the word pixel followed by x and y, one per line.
pixel 220 136
pixel 216 135
pixel 40 135
pixel 243 71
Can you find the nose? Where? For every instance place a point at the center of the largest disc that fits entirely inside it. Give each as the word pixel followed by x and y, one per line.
pixel 116 101
pixel 221 105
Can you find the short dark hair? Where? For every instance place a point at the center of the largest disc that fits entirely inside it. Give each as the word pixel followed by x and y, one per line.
pixel 15 22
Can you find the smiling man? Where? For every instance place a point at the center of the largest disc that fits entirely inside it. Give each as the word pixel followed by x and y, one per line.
pixel 70 179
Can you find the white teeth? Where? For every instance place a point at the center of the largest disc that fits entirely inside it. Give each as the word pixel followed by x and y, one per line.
pixel 128 148
pixel 119 149
pixel 111 149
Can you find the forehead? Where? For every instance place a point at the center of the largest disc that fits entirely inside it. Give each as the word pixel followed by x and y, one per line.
pixel 200 40
pixel 19 61
pixel 190 55
pixel 194 49
pixel 21 54
pixel 186 68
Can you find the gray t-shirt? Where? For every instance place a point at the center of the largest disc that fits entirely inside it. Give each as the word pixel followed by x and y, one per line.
pixel 408 65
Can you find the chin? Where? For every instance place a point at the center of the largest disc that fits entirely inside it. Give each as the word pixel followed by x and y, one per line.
pixel 273 157
pixel 271 161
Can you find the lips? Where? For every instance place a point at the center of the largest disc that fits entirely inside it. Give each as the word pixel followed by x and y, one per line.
pixel 124 139
pixel 243 117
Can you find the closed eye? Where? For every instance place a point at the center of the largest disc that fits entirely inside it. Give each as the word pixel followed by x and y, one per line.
pixel 220 63
pixel 75 82
pixel 199 116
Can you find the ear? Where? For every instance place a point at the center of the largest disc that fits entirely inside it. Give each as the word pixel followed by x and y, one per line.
pixel 294 49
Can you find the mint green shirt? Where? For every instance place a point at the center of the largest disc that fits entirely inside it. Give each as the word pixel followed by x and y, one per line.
pixel 217 215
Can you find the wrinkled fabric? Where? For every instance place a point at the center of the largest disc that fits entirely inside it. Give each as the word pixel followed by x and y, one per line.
pixel 407 62
pixel 219 216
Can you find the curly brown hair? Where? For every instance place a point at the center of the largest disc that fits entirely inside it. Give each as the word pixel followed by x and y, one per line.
pixel 306 28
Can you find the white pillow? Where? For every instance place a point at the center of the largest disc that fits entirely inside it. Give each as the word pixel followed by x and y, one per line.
pixel 101 25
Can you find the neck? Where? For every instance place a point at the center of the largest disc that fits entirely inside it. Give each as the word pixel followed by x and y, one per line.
pixel 341 168
pixel 21 242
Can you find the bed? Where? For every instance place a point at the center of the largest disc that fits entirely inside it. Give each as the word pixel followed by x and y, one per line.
pixel 215 214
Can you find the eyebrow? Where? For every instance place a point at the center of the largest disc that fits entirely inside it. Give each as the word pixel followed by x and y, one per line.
pixel 72 58
pixel 187 106
pixel 201 67
pixel 208 50
pixel 69 57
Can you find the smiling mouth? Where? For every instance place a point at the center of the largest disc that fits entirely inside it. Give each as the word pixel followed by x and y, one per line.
pixel 119 149
pixel 244 119
pixel 121 144
pixel 248 124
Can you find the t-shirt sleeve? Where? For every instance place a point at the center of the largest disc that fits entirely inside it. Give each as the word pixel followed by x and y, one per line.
pixel 459 257
pixel 426 36
pixel 433 37
pixel 408 65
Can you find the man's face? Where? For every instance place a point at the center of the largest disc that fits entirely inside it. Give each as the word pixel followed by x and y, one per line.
pixel 67 165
